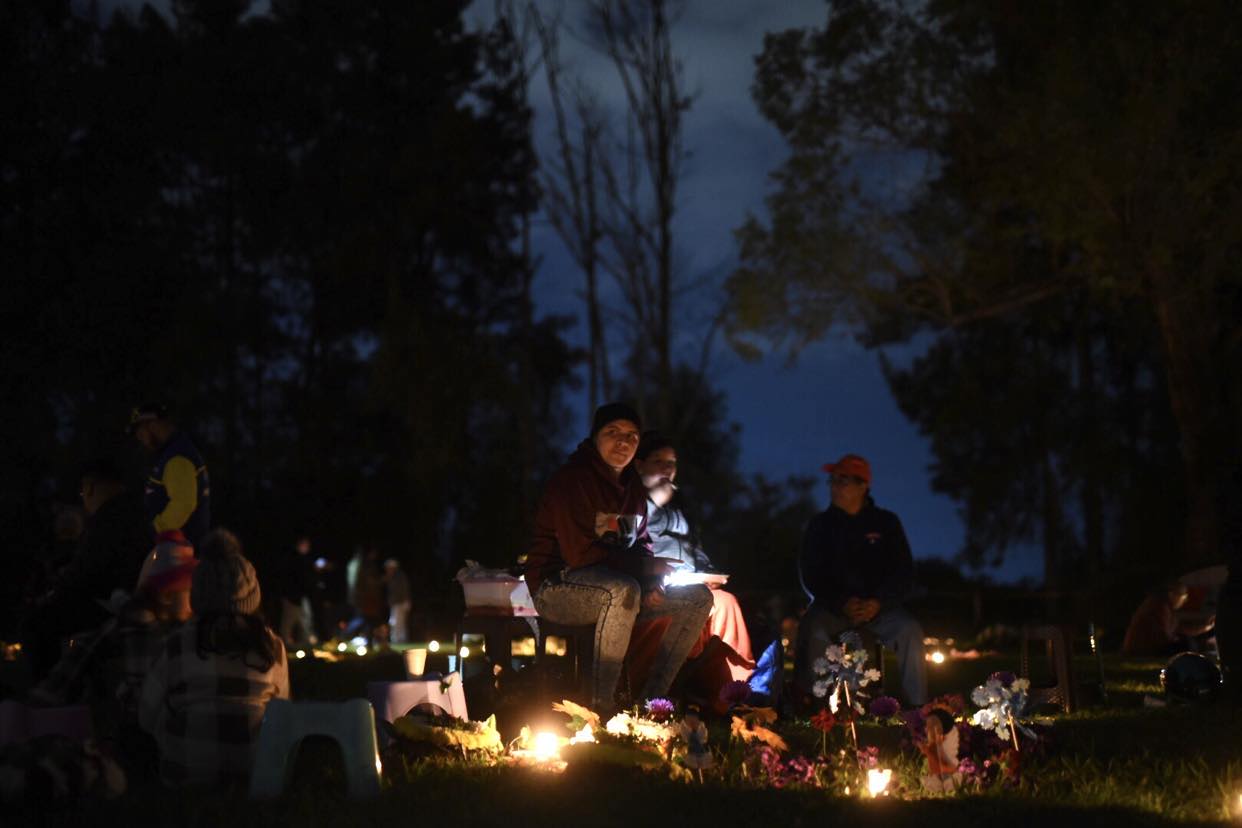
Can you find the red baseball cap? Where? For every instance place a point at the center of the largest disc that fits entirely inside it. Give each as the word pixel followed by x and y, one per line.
pixel 851 464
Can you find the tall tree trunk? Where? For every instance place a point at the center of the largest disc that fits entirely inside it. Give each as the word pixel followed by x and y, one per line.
pixel 1184 330
pixel 1053 535
pixel 1092 501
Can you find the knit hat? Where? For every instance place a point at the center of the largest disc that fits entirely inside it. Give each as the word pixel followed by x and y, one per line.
pixel 224 581
pixel 169 566
pixel 650 443
pixel 609 412
pixel 851 464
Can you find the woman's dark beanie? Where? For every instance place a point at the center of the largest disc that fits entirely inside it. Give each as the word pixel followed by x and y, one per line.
pixel 605 414
pixel 650 442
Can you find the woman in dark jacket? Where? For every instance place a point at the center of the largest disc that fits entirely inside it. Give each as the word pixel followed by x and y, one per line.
pixel 590 560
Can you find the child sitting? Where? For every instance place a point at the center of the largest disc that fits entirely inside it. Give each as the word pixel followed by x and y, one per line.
pixel 204 698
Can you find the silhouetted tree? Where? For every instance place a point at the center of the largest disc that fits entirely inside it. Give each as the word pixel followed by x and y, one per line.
pixel 1081 150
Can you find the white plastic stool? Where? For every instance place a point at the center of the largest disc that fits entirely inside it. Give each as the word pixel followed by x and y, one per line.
pixel 393 699
pixel 350 724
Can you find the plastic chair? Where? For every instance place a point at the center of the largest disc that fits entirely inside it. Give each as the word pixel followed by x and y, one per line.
pixel 498 631
pixel 1060 650
pixel 580 649
pixel 20 722
pixel 350 724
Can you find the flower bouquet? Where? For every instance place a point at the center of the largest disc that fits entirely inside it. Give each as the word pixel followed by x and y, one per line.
pixel 843 673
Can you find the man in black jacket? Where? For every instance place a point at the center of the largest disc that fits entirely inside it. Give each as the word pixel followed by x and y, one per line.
pixel 856 568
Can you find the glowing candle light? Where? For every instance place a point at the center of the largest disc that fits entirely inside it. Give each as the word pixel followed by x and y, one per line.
pixel 465 652
pixel 300 654
pixel 342 647
pixel 546 746
pixel 433 645
pixel 877 780
pixel 361 651
pixel 937 657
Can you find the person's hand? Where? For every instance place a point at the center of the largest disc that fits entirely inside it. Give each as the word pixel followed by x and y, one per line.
pixel 853 610
pixel 662 492
pixel 653 599
pixel 657 567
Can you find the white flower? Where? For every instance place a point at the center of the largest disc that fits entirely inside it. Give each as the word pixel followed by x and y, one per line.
pixel 871 675
pixel 618 725
pixel 1021 685
pixel 820 666
pixel 820 689
pixel 834 652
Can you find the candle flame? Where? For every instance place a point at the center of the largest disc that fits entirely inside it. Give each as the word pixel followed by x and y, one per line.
pixel 546 746
pixel 878 779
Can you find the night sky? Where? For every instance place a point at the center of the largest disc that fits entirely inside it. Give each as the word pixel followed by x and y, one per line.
pixel 794 417
pixel 833 399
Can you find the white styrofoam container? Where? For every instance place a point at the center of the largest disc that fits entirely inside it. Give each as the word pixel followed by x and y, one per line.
pixel 510 595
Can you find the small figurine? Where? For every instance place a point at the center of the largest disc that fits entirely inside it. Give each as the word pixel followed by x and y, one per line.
pixel 940 747
pixel 694 732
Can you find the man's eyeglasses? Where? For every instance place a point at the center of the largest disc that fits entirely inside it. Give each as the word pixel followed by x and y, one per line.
pixel 846 480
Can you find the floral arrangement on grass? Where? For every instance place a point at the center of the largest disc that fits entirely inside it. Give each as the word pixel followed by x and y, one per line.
pixel 970 752
pixel 449 732
pixel 843 672
pixel 627 738
pixel 1002 702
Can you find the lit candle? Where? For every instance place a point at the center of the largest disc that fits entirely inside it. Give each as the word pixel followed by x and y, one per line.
pixel 546 746
pixel 877 780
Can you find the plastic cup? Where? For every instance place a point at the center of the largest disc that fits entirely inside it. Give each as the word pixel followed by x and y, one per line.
pixel 415 661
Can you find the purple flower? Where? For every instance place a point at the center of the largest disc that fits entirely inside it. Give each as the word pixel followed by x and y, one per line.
pixel 1005 677
pixel 781 772
pixel 660 709
pixel 915 723
pixel 869 757
pixel 885 707
pixel 735 693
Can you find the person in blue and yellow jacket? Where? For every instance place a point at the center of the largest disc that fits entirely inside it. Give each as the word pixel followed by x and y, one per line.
pixel 177 496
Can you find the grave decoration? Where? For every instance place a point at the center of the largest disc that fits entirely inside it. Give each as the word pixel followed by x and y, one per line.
pixel 843 673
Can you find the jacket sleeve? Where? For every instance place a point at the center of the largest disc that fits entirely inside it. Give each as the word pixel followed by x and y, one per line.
pixel 568 512
pixel 815 563
pixel 280 670
pixel 899 581
pixel 181 482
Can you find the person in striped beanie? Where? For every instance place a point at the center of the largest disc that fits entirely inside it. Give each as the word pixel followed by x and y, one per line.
pixel 203 701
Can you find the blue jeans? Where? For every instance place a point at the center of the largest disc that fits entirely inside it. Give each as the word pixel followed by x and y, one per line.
pixel 895 628
pixel 612 601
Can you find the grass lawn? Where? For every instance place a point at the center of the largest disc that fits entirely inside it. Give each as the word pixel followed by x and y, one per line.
pixel 1115 764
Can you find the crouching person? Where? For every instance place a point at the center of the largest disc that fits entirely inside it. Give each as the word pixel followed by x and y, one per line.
pixel 204 699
